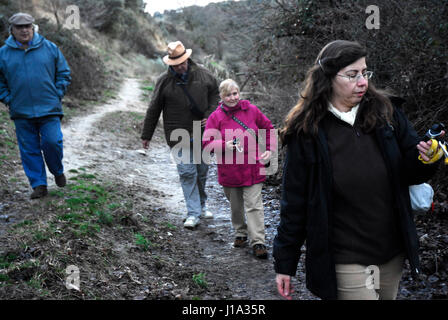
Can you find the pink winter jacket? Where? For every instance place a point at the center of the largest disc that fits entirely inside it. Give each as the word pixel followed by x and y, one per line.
pixel 238 169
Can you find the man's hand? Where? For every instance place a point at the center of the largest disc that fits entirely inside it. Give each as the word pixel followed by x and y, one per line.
pixel 203 122
pixel 145 144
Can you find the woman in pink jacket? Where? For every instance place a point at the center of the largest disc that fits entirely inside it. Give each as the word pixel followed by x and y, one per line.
pixel 239 135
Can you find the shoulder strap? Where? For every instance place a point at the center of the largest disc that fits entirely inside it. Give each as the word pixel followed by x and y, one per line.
pixel 193 107
pixel 241 123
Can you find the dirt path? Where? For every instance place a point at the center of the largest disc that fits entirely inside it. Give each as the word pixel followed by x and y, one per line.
pixel 208 248
pixel 86 146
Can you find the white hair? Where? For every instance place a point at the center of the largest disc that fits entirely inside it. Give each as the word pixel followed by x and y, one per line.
pixel 226 86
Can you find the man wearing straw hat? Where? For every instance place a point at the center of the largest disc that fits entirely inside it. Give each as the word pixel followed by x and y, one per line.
pixel 186 94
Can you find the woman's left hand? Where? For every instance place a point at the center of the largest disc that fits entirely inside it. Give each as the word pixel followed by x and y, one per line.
pixel 423 147
pixel 265 156
pixel 284 285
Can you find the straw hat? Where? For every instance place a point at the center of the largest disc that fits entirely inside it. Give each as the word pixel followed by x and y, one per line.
pixel 176 53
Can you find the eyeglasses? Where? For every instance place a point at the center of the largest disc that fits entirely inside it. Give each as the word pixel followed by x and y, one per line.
pixel 355 78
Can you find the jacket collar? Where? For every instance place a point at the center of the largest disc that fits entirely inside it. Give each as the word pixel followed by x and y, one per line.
pixel 242 105
pixel 36 42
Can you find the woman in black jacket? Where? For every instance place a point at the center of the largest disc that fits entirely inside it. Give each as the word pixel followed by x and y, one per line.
pixel 351 156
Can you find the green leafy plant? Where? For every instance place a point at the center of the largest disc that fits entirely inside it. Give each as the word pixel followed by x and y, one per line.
pixel 170 226
pixel 148 88
pixel 3 277
pixel 199 280
pixel 141 241
pixel 7 260
pixel 104 217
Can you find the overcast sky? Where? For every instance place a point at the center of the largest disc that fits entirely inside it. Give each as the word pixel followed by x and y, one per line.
pixel 162 5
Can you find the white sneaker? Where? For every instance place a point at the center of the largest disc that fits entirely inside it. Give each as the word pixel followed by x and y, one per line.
pixel 191 222
pixel 207 214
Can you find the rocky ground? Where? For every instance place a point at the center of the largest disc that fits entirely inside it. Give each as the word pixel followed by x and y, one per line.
pixel 119 221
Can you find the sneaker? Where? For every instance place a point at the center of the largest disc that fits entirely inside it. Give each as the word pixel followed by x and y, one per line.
pixel 206 214
pixel 191 222
pixel 39 192
pixel 61 181
pixel 260 251
pixel 240 242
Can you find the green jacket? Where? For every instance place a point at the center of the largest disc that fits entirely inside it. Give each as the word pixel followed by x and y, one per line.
pixel 172 100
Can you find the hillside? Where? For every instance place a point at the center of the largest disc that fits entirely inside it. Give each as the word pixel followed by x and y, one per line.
pixel 102 49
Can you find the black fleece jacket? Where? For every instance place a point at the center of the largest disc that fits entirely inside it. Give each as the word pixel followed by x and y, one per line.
pixel 307 201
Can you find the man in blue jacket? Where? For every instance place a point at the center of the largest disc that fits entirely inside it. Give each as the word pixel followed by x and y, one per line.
pixel 34 76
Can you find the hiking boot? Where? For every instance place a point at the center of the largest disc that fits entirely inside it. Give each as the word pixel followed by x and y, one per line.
pixel 191 222
pixel 206 214
pixel 39 192
pixel 60 180
pixel 260 251
pixel 240 242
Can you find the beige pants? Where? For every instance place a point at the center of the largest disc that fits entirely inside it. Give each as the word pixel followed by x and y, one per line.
pixel 358 282
pixel 249 200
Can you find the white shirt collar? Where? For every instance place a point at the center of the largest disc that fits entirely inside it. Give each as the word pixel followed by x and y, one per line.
pixel 348 116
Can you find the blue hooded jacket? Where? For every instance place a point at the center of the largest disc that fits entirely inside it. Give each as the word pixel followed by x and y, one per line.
pixel 33 81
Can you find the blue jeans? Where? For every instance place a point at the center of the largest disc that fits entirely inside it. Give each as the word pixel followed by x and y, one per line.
pixel 192 179
pixel 37 136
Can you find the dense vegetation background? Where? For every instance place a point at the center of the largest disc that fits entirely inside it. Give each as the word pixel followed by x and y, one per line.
pixel 269 45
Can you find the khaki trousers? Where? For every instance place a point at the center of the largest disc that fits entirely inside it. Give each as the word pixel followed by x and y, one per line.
pixel 359 282
pixel 247 200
